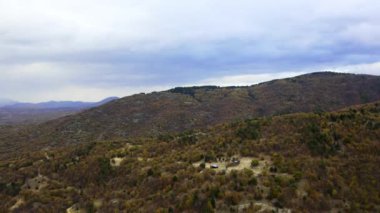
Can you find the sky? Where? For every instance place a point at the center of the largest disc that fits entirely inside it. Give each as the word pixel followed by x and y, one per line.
pixel 91 49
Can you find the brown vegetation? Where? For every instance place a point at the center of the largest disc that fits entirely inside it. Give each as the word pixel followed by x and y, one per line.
pixel 319 162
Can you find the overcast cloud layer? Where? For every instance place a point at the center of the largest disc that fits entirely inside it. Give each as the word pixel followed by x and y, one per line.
pixel 90 49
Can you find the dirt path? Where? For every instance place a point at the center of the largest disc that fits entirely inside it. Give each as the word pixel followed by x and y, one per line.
pixel 18 203
pixel 36 184
pixel 245 163
pixel 115 162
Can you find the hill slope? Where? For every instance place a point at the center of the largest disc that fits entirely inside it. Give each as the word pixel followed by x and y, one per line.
pixel 306 162
pixel 198 107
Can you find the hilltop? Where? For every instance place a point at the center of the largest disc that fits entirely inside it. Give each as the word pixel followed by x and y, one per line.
pixel 182 109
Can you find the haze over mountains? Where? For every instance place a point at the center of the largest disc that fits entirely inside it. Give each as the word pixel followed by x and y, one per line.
pixel 5 103
pixel 13 112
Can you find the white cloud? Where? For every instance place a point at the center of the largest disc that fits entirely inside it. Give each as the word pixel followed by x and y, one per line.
pixel 251 79
pixel 37 82
pixel 247 79
pixel 86 93
pixel 366 68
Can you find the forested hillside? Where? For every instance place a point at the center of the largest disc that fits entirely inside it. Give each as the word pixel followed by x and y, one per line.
pixel 302 162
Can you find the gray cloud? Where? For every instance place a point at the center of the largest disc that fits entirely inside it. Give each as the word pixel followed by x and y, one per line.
pixel 48 49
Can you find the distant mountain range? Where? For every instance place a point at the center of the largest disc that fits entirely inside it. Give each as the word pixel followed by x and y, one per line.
pixel 9 104
pixel 12 112
pixel 6 102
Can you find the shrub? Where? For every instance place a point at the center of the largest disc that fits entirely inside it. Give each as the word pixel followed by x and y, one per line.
pixel 11 189
pixel 233 198
pixel 165 137
pixel 202 165
pixel 274 192
pixel 150 172
pixel 253 181
pixel 254 163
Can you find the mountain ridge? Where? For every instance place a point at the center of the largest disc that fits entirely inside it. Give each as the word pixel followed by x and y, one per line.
pixel 170 112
